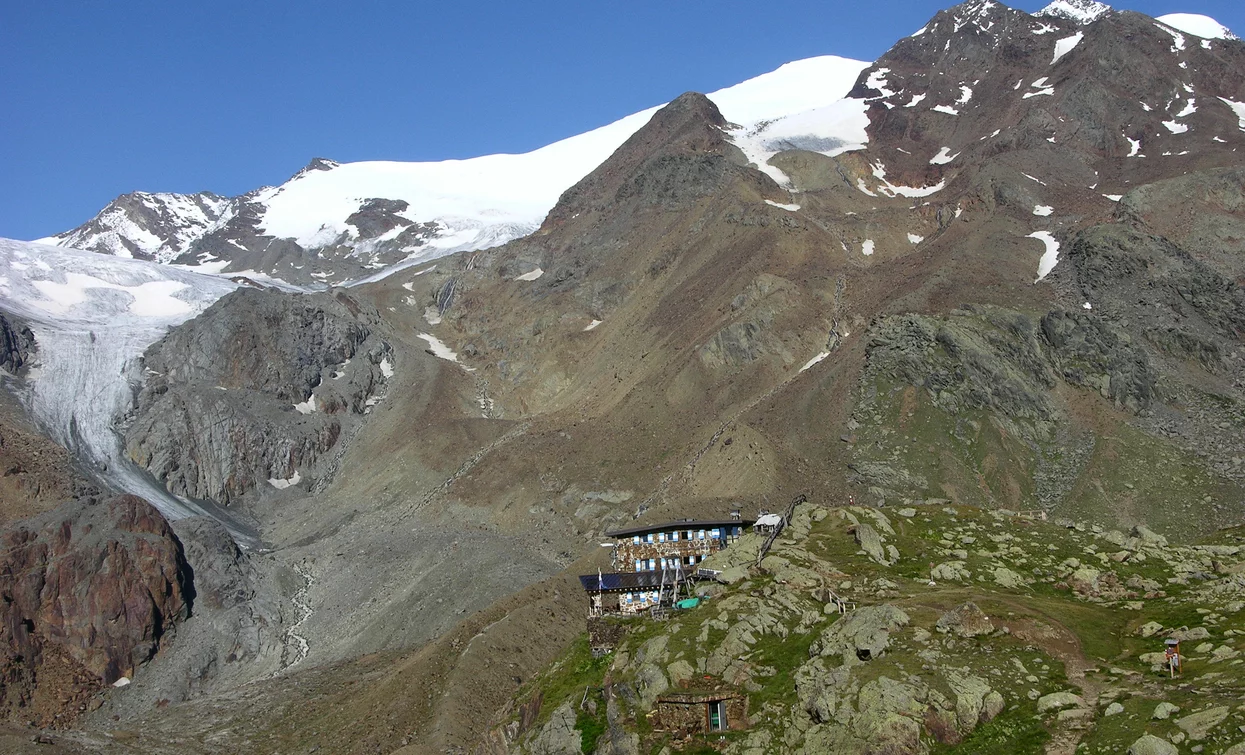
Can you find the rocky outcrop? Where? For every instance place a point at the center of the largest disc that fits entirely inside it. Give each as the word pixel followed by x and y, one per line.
pixel 17 344
pixel 234 636
pixel 264 386
pixel 90 592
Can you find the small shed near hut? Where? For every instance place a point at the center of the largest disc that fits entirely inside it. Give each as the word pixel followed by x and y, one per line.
pixel 700 712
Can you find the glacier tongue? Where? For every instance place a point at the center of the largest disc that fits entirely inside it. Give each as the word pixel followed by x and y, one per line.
pixel 93 316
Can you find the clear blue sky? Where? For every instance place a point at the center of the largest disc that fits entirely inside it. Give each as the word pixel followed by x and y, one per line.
pixel 102 98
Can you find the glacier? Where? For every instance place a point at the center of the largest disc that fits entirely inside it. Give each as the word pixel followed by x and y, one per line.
pixel 93 315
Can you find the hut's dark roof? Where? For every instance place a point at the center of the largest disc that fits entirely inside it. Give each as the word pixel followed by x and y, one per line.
pixel 680 524
pixel 640 580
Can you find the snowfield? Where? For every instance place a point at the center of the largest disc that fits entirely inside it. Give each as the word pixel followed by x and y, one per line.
pixel 486 201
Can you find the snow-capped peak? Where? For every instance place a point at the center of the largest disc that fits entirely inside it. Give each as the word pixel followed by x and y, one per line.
pixel 1197 25
pixel 1078 11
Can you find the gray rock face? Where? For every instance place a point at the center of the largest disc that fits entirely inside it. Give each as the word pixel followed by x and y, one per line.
pixel 861 635
pixel 263 386
pixel 558 736
pixel 233 635
pixel 17 344
pixel 1184 307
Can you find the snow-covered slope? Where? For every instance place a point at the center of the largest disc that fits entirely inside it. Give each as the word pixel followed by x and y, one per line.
pixel 1197 25
pixel 93 316
pixel 364 216
pixel 158 226
pixel 471 196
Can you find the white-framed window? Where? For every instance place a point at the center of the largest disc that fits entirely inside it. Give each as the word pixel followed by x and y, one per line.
pixel 715 533
pixel 702 535
pixel 648 538
pixel 635 539
pixel 639 565
pixel 661 537
pixel 652 564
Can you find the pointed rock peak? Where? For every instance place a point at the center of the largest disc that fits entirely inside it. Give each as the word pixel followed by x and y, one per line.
pixel 984 16
pixel 321 163
pixel 690 105
pixel 1077 11
pixel 317 163
pixel 1197 25
pixel 680 153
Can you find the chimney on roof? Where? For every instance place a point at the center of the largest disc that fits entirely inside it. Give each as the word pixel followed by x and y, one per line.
pixel 736 514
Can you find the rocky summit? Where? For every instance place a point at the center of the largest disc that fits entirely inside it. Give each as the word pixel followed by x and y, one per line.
pixel 912 415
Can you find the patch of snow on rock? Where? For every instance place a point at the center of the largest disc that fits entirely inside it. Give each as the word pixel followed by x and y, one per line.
pixel 915 239
pixel 787 207
pixel 916 99
pixel 441 351
pixel 815 360
pixel 1178 43
pixel 386 368
pixel 891 190
pixel 867 248
pixel 282 484
pixel 1043 210
pixel 593 324
pixel 1050 257
pixel 531 276
pixel 1066 45
pixel 1238 108
pixel 943 157
pixel 945 109
pixel 1174 127
pixel 308 406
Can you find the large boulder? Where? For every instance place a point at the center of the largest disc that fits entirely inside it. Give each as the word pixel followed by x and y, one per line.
pixel 862 635
pixel 965 620
pixel 1149 744
pixel 1057 700
pixel 871 543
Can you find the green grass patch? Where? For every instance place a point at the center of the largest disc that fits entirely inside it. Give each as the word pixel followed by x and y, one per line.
pixel 590 728
pixel 1017 731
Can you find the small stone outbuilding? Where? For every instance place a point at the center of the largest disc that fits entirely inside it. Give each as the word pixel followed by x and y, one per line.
pixel 686 713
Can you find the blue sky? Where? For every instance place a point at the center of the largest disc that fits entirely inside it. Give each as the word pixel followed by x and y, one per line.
pixel 105 98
